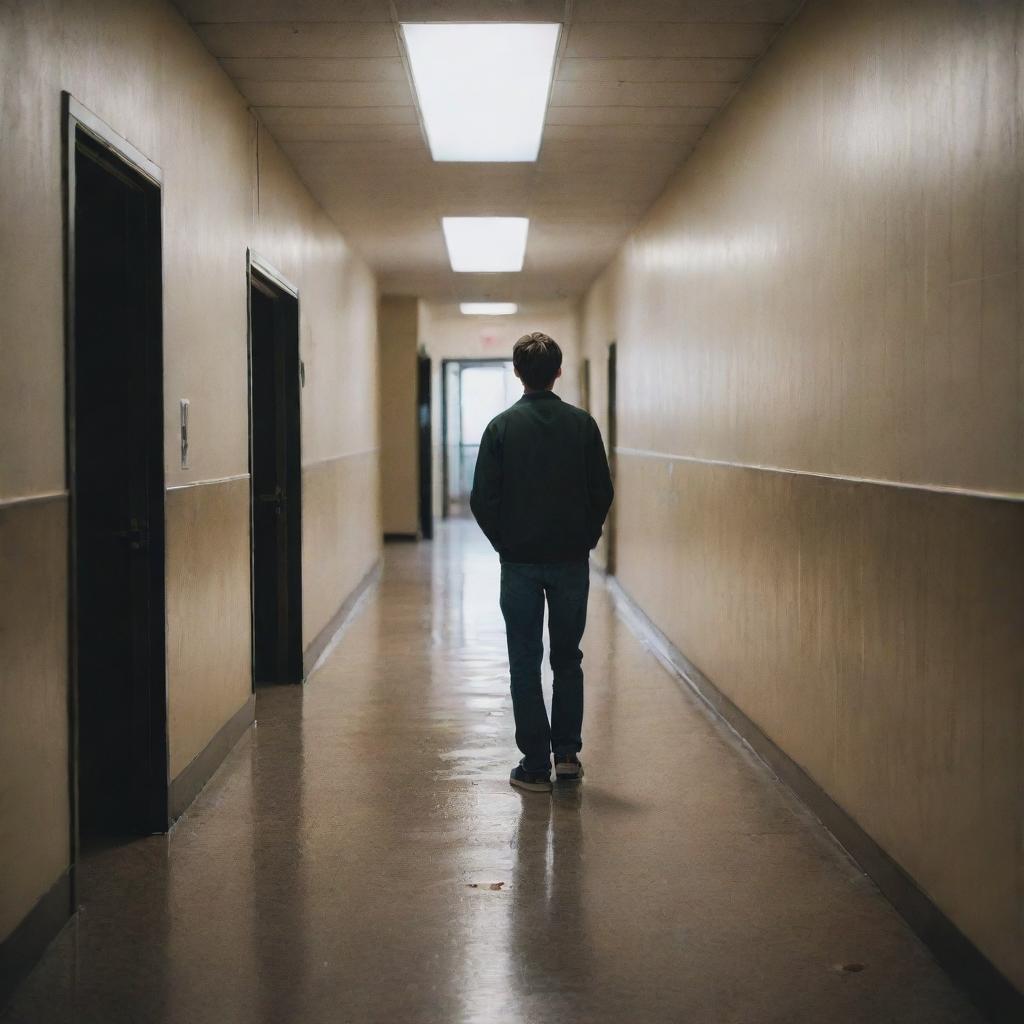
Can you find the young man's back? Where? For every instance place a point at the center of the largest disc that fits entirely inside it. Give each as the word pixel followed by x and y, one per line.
pixel 541 493
pixel 542 489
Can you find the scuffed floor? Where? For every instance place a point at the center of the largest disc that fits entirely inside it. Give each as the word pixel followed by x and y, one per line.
pixel 360 856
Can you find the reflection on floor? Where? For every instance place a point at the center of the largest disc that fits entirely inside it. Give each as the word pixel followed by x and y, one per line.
pixel 360 856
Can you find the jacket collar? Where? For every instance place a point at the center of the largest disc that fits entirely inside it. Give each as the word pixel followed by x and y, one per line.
pixel 530 396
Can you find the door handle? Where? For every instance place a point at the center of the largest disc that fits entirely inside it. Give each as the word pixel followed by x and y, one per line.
pixel 136 536
pixel 277 499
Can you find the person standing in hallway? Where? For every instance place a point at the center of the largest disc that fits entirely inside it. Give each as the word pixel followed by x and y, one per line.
pixel 541 493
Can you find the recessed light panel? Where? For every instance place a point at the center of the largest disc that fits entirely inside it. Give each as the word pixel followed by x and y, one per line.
pixel 488 308
pixel 485 244
pixel 482 89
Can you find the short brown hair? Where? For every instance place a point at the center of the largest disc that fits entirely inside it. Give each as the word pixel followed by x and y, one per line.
pixel 537 359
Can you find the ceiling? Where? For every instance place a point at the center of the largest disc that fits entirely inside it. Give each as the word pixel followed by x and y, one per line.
pixel 636 83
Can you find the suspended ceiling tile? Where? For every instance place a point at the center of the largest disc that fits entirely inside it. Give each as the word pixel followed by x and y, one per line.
pixel 199 11
pixel 274 116
pixel 630 115
pixel 601 39
pixel 568 241
pixel 640 94
pixel 606 211
pixel 299 69
pixel 299 39
pixel 614 188
pixel 480 10
pixel 326 94
pixel 569 160
pixel 605 134
pixel 397 160
pixel 776 11
pixel 407 133
pixel 653 69
pixel 397 154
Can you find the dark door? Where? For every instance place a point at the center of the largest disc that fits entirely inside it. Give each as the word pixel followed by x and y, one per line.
pixel 425 448
pixel 585 385
pixel 116 481
pixel 276 482
pixel 612 440
pixel 451 416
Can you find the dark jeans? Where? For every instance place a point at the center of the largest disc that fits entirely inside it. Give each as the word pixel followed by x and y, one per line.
pixel 523 589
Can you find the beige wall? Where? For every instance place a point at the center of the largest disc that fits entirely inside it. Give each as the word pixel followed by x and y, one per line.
pixel 448 334
pixel 398 340
pixel 34 808
pixel 340 431
pixel 136 65
pixel 821 423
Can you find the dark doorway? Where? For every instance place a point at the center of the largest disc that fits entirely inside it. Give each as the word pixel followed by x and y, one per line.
pixel 116 485
pixel 426 454
pixel 612 440
pixel 585 385
pixel 275 461
pixel 450 417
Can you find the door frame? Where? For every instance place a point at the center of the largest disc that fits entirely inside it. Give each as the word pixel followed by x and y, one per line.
pixel 612 398
pixel 78 121
pixel 263 268
pixel 425 443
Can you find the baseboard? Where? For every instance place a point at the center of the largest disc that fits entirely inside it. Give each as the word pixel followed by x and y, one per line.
pixel 322 640
pixel 189 783
pixel 401 538
pixel 22 949
pixel 990 990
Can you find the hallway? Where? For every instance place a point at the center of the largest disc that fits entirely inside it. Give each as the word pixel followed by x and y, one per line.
pixel 360 856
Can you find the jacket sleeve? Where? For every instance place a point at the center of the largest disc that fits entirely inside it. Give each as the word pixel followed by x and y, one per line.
pixel 599 482
pixel 485 498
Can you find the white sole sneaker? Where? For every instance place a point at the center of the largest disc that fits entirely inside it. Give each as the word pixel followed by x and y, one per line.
pixel 530 786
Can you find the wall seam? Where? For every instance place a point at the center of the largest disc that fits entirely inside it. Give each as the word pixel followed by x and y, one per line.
pixel 32 499
pixel 338 458
pixel 963 492
pixel 207 483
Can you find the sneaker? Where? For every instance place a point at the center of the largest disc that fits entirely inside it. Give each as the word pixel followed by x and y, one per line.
pixel 568 768
pixel 536 782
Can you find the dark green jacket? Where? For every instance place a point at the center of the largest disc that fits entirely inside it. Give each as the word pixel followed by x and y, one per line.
pixel 542 489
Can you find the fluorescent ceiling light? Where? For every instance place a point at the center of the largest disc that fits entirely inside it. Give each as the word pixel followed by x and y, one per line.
pixel 485 244
pixel 488 308
pixel 482 89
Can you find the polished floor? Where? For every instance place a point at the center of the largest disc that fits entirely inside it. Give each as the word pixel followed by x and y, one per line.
pixel 360 856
